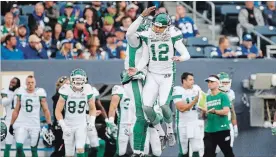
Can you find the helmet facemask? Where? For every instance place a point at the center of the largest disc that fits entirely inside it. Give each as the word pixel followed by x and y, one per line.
pixel 78 78
pixel 161 21
pixel 225 82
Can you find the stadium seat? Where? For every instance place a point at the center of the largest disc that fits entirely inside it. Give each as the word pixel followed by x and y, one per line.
pixel 208 50
pixel 273 39
pixel 266 30
pixel 196 52
pixel 2 20
pixel 27 9
pixel 197 41
pixel 229 18
pixel 24 19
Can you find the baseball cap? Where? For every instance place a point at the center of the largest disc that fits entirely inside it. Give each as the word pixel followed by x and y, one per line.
pixel 47 29
pixel 69 5
pixel 108 20
pixel 247 37
pixel 131 6
pixel 212 78
pixel 34 38
pixel 65 41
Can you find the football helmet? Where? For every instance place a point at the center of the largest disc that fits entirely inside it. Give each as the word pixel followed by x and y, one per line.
pixel 161 21
pixel 225 81
pixel 78 78
pixel 48 137
pixel 4 131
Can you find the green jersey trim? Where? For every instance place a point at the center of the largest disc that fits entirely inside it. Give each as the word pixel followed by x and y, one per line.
pixel 145 39
pixel 176 38
pixel 176 97
pixel 65 97
pixel 89 96
pixel 4 95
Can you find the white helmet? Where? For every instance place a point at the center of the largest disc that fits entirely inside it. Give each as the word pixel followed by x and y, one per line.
pixel 225 82
pixel 48 137
pixel 161 20
pixel 78 78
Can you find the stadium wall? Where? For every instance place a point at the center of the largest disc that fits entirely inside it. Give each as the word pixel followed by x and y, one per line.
pixel 252 142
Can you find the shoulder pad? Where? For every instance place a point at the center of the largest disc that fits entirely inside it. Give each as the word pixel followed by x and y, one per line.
pixel 178 90
pixel 4 91
pixel 21 90
pixel 117 89
pixel 174 31
pixel 196 87
pixel 41 92
pixel 88 90
pixel 64 90
pixel 95 91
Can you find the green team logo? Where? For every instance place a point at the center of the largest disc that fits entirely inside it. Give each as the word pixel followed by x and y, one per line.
pixel 3 131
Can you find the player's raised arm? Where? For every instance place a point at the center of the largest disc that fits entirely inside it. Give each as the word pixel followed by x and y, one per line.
pixel 131 35
pixel 145 58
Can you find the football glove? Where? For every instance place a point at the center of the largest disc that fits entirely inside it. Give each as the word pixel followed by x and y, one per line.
pixel 139 76
pixel 11 130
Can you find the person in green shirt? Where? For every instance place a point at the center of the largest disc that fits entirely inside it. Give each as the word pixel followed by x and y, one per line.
pixel 217 131
pixel 68 19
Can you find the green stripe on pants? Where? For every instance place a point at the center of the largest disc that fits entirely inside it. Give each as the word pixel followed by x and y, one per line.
pixel 140 127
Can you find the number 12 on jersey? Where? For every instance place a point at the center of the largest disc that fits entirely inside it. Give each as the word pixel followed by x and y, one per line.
pixel 163 50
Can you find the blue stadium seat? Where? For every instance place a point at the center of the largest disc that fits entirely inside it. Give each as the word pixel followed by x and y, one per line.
pixel 196 52
pixel 266 30
pixel 273 39
pixel 23 19
pixel 230 9
pixel 229 18
pixel 208 50
pixel 27 9
pixel 197 41
pixel 2 20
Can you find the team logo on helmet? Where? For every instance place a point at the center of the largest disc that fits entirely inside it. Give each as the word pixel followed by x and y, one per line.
pixel 4 131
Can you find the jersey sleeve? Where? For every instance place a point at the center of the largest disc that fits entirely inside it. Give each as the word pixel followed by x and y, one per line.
pixel 177 94
pixel 19 92
pixel 225 102
pixel 96 93
pixel 41 93
pixel 64 91
pixel 117 90
pixel 89 91
pixel 197 88
pixel 4 93
pixel 231 95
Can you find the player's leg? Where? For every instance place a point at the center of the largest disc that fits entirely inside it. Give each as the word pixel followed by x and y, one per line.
pixel 34 134
pixel 147 142
pixel 94 142
pixel 122 140
pixel 165 94
pixel 223 139
pixel 20 136
pixel 69 142
pixel 183 140
pixel 134 90
pixel 87 146
pixel 196 142
pixel 232 134
pixel 155 142
pixel 8 142
pixel 80 138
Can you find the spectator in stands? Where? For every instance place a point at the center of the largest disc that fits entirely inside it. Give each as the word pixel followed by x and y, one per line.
pixel 22 36
pixel 9 50
pixel 65 51
pixel 161 10
pixel 121 9
pixel 9 27
pixel 248 18
pixel 76 9
pixel 223 50
pixel 94 52
pixel 111 47
pixel 37 30
pixel 185 23
pixel 69 35
pixel 34 49
pixel 131 11
pixel 38 17
pixel 126 22
pixel 248 49
pixel 108 28
pixel 98 7
pixel 121 41
pixel 51 12
pixel 90 21
pixel 68 19
pixel 270 14
pixel 80 31
pixel 47 41
pixel 16 18
pixel 6 6
pixel 111 9
pixel 57 37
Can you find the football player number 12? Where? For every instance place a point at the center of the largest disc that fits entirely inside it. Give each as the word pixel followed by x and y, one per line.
pixel 163 52
pixel 72 106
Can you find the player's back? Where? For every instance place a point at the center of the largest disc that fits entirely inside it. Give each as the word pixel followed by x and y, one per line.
pixel 187 95
pixel 76 104
pixel 126 109
pixel 161 50
pixel 29 114
pixel 133 56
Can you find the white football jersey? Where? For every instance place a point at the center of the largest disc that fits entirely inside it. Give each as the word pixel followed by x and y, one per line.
pixel 126 109
pixel 161 52
pixel 29 114
pixel 187 96
pixel 76 104
pixel 9 107
pixel 133 56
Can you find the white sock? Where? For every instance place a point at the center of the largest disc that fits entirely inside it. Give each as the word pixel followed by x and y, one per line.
pixel 169 127
pixel 136 151
pixel 159 129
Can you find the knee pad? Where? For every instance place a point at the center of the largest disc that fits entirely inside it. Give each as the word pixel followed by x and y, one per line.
pixel 151 115
pixel 167 113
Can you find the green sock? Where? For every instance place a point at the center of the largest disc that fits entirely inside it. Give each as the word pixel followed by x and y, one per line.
pixel 86 150
pixel 7 150
pixel 195 154
pixel 34 151
pixel 101 148
pixel 19 150
pixel 80 155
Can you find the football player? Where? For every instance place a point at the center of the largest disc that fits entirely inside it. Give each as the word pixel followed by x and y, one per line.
pixel 159 45
pixel 25 120
pixel 9 102
pixel 133 55
pixel 125 108
pixel 75 98
pixel 190 129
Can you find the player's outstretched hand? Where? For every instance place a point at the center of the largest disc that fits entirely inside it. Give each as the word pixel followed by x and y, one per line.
pixel 131 71
pixel 176 58
pixel 147 11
